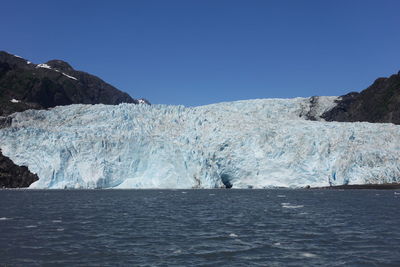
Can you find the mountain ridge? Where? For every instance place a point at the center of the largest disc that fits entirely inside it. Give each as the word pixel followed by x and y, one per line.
pixel 379 103
pixel 25 85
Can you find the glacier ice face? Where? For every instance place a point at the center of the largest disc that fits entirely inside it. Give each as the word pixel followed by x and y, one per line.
pixel 254 143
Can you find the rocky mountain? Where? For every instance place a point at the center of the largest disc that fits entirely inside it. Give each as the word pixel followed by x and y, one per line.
pixel 380 102
pixel 24 85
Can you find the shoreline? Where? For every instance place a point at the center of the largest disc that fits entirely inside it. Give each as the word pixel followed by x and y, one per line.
pixel 392 186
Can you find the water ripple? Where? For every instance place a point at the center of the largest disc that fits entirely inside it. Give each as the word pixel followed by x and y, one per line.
pixel 199 227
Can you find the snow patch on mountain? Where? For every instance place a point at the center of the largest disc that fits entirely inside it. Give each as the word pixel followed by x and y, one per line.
pixel 69 76
pixel 44 66
pixel 254 143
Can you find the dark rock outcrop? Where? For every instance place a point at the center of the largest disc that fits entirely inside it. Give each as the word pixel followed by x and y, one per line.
pixel 24 85
pixel 311 114
pixel 5 122
pixel 378 103
pixel 13 176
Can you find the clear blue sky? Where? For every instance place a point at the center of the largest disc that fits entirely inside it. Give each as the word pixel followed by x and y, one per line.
pixel 199 52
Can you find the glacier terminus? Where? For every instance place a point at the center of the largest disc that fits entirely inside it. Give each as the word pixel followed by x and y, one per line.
pixel 258 143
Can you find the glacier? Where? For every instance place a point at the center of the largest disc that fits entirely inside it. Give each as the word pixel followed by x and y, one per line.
pixel 258 143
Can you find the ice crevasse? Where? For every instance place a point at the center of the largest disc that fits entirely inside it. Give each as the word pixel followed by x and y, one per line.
pixel 254 143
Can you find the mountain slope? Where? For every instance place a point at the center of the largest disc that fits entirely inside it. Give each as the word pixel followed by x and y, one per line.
pixel 378 103
pixel 24 85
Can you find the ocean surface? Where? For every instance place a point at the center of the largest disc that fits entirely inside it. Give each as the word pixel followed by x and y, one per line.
pixel 200 227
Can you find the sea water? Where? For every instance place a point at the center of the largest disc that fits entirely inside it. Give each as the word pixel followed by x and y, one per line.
pixel 199 227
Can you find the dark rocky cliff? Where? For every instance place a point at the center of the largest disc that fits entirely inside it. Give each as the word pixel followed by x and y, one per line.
pixel 13 176
pixel 24 85
pixel 378 103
